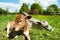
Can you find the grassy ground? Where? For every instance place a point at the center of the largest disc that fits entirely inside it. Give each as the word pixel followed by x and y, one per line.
pixel 35 33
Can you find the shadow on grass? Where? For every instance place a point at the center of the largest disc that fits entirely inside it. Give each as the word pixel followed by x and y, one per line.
pixel 13 33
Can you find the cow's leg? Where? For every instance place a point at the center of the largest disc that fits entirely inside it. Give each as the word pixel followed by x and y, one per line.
pixel 16 29
pixel 27 36
pixel 8 27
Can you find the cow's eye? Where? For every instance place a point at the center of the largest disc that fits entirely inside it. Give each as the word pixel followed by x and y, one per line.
pixel 20 20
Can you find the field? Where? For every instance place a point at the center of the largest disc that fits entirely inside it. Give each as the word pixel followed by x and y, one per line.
pixel 35 34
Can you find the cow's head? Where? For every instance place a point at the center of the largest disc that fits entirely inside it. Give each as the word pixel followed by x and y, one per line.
pixel 21 18
pixel 46 25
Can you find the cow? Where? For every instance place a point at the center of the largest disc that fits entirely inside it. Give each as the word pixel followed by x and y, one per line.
pixel 21 23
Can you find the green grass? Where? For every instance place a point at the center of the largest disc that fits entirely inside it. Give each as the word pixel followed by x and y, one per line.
pixel 35 34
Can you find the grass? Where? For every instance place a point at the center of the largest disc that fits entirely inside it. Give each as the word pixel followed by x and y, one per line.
pixel 35 34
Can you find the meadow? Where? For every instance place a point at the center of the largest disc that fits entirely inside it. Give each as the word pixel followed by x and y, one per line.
pixel 35 34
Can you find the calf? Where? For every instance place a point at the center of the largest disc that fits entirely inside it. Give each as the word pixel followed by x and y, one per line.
pixel 21 23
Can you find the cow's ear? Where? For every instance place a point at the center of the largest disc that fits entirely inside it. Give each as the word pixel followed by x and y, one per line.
pixel 29 17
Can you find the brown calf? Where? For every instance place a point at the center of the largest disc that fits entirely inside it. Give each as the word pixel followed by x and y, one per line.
pixel 20 23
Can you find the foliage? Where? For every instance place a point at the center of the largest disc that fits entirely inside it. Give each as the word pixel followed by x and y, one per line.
pixel 2 11
pixel 36 8
pixel 52 9
pixel 24 8
pixel 55 7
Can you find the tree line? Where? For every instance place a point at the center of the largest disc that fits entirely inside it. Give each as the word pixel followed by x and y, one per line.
pixel 35 8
